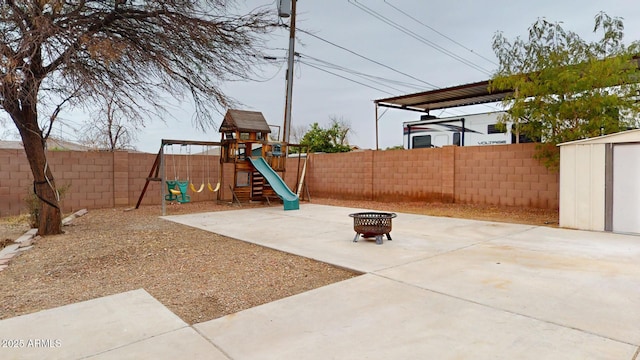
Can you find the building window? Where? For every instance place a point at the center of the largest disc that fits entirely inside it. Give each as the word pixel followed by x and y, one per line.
pixel 456 139
pixel 522 139
pixel 496 129
pixel 423 141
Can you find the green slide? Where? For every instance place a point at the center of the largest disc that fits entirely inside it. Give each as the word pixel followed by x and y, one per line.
pixel 290 199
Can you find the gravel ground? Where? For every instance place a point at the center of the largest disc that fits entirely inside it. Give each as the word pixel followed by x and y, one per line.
pixel 198 275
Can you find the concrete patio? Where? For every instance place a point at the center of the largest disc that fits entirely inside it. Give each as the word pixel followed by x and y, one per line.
pixel 442 289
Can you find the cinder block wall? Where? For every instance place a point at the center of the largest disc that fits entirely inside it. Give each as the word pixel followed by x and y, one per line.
pixel 500 175
pixel 408 175
pixel 85 179
pixel 294 170
pixel 504 175
pixel 343 175
pixel 15 181
pixel 496 175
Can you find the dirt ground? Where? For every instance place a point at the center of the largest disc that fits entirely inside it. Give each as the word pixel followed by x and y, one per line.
pixel 511 214
pixel 198 275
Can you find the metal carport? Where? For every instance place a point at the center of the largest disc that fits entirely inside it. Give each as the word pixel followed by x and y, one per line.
pixel 455 96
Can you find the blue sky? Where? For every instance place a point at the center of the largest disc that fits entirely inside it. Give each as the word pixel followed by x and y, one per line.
pixel 468 26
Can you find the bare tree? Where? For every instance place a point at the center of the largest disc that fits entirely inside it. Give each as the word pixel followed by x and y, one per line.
pixel 340 130
pixel 111 129
pixel 58 53
pixel 297 132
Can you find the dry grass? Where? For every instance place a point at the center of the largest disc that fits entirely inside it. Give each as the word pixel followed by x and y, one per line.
pixel 196 274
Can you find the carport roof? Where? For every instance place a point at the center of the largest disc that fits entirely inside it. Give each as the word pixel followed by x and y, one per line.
pixel 461 95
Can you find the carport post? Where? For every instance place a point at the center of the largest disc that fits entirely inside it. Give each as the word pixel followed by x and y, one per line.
pixel 377 148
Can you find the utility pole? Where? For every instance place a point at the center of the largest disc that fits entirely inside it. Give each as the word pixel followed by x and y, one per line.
pixel 292 41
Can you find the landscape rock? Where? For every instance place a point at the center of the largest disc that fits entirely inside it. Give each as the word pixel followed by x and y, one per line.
pixel 9 251
pixel 69 219
pixel 27 236
pixel 82 212
pixel 26 243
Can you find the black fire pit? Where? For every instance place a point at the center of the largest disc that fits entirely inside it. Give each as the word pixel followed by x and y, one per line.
pixel 370 224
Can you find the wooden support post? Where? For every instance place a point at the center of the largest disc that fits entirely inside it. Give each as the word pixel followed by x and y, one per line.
pixel 233 193
pixel 150 177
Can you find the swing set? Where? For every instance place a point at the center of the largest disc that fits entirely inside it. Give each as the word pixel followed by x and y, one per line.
pixel 180 194
pixel 177 189
pixel 206 169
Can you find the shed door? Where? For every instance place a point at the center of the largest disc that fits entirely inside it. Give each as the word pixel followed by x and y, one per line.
pixel 626 188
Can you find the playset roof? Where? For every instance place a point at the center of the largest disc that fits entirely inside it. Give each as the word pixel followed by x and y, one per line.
pixel 244 121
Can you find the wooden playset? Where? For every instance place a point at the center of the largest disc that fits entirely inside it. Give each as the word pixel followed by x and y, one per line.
pixel 259 164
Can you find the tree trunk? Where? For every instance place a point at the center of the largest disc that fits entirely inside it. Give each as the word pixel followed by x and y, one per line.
pixel 49 215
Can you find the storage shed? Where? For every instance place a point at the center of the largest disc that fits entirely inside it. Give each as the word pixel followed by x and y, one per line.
pixel 600 183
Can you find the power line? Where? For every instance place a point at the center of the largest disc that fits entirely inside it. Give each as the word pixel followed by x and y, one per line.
pixel 392 81
pixel 344 77
pixel 422 39
pixel 340 68
pixel 269 61
pixel 439 33
pixel 433 86
pixel 316 66
pixel 375 79
pixel 450 111
pixel 418 37
pixel 337 67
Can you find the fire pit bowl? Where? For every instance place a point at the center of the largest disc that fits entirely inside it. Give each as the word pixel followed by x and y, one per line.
pixel 370 224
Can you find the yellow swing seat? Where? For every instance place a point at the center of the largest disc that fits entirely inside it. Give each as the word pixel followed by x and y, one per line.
pixel 211 187
pixel 193 188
